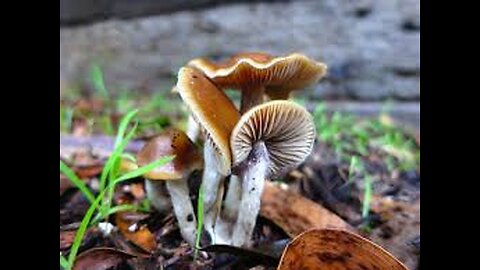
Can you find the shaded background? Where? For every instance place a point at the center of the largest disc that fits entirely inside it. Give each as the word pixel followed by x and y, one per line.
pixel 371 46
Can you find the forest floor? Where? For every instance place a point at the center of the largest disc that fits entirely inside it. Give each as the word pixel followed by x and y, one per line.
pixel 365 172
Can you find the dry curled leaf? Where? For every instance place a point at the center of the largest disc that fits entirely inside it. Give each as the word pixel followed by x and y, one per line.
pixel 295 213
pixel 139 235
pixel 335 249
pixel 101 259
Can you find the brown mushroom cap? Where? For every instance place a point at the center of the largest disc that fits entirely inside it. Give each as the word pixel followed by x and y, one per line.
pixel 170 142
pixel 213 111
pixel 127 165
pixel 279 75
pixel 336 249
pixel 286 128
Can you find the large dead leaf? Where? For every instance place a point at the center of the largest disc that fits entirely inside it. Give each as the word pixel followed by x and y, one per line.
pixel 333 249
pixel 140 236
pixel 295 213
pixel 101 259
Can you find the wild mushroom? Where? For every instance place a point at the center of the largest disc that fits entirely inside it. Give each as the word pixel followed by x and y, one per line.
pixel 269 139
pixel 216 115
pixel 256 74
pixel 175 174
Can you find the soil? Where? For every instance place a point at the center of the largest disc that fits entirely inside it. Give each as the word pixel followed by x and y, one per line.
pixel 393 221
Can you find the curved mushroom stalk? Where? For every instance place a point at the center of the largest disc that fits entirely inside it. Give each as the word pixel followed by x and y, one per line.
pixel 251 96
pixel 253 181
pixel 212 183
pixel 158 195
pixel 183 209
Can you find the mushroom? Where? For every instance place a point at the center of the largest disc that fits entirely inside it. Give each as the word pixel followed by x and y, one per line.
pixel 269 139
pixel 257 74
pixel 156 191
pixel 216 115
pixel 175 174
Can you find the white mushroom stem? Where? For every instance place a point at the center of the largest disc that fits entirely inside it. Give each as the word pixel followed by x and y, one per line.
pixel 158 195
pixel 183 209
pixel 232 199
pixel 251 97
pixel 225 221
pixel 212 181
pixel 252 173
pixel 193 129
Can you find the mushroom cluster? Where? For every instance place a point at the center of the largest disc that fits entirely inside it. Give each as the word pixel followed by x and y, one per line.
pixel 265 136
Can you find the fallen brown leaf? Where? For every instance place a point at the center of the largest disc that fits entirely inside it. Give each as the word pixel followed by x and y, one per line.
pixel 142 237
pixel 67 237
pixel 295 213
pixel 101 259
pixel 88 170
pixel 334 249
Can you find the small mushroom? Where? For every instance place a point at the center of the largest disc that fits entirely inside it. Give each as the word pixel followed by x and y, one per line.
pixel 257 74
pixel 269 139
pixel 175 174
pixel 216 115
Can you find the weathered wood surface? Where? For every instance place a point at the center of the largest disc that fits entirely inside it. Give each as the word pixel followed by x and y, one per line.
pixel 99 145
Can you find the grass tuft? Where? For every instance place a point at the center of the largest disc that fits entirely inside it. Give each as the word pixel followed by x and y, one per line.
pixel 200 220
pixel 112 173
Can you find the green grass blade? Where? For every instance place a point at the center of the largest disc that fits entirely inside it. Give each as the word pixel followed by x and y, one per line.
pixel 63 262
pixel 133 174
pixel 145 206
pixel 88 216
pixel 115 209
pixel 123 126
pixel 96 75
pixel 130 157
pixel 367 196
pixel 117 150
pixel 76 181
pixel 82 229
pixel 115 161
pixel 122 208
pixel 142 170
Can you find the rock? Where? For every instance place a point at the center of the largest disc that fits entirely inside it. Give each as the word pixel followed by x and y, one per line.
pixel 372 48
